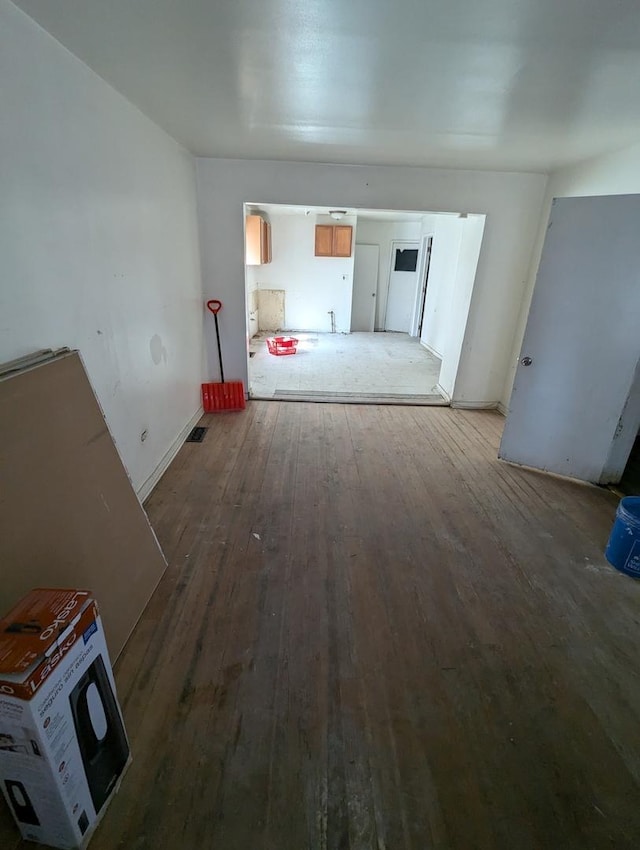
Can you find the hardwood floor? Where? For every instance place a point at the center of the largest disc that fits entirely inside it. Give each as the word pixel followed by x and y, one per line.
pixel 372 635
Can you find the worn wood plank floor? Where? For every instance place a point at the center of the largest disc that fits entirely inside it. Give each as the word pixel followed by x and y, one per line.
pixel 373 635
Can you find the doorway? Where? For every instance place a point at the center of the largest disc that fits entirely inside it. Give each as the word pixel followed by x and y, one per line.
pixel 359 319
pixel 402 286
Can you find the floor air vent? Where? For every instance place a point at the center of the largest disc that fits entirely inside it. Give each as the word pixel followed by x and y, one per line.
pixel 197 434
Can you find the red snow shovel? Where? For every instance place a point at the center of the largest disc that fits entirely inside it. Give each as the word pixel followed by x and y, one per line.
pixel 229 395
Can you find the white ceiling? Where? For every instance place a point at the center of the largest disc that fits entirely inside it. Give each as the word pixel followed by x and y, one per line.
pixel 507 84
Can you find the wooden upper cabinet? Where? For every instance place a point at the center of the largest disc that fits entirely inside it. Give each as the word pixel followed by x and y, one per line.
pixel 257 240
pixel 252 240
pixel 342 240
pixel 333 240
pixel 324 240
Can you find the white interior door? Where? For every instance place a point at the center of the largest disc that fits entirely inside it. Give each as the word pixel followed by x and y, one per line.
pixel 365 287
pixel 572 410
pixel 402 286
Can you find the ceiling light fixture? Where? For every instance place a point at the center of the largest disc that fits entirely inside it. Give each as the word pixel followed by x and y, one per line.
pixel 337 214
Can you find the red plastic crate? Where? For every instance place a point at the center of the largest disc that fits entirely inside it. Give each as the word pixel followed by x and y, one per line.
pixel 280 345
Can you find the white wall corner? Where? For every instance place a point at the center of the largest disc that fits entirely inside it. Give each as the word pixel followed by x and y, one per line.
pixel 145 490
pixel 431 349
pixel 444 393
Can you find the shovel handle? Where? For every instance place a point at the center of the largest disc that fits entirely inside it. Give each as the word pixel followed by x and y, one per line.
pixel 215 306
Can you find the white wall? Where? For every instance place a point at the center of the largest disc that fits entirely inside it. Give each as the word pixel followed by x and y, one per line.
pixel 99 241
pixel 313 285
pixel 454 259
pixel 252 275
pixel 466 269
pixel 382 233
pixel 253 322
pixel 512 203
pixel 447 233
pixel 613 174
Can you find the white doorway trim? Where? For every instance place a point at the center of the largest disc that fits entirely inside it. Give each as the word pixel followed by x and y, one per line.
pixel 464 283
pixel 422 283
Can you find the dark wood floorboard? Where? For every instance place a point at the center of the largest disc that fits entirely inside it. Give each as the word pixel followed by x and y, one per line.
pixel 373 635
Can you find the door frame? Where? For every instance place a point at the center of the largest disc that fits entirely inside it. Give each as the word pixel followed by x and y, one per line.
pixel 391 261
pixel 426 251
pixel 273 205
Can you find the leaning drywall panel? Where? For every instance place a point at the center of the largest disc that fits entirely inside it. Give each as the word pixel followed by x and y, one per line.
pixel 69 516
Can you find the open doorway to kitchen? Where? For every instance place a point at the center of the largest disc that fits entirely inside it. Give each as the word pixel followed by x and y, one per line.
pixel 354 305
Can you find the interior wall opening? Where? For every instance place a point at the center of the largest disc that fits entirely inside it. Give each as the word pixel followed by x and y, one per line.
pixel 357 305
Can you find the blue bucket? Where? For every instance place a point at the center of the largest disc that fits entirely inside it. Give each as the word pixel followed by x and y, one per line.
pixel 623 548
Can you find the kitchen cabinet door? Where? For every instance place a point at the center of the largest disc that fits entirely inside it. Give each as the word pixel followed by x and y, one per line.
pixel 257 240
pixel 324 240
pixel 342 240
pixel 253 240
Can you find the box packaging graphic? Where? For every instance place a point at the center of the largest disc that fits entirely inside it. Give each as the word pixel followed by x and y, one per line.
pixel 63 746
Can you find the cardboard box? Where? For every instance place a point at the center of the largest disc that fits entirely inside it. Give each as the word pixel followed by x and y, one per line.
pixel 63 746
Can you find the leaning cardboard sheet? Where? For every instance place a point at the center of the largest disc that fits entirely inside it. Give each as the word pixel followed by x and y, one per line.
pixel 63 747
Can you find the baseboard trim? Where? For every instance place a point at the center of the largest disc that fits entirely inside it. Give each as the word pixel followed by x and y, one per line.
pixel 431 350
pixel 444 393
pixel 475 405
pixel 145 490
pixel 502 408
